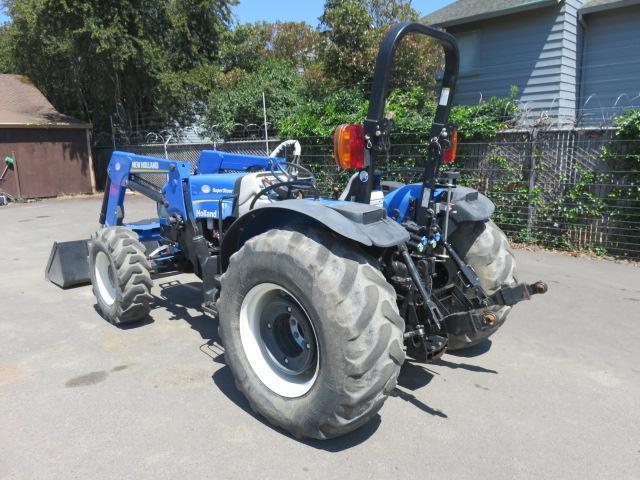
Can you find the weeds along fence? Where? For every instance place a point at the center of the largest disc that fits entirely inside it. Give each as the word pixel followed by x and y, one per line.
pixel 568 189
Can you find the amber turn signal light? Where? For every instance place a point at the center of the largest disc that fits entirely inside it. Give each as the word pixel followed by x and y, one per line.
pixel 449 154
pixel 348 146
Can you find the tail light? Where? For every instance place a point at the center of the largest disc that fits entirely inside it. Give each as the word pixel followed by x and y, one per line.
pixel 449 154
pixel 348 146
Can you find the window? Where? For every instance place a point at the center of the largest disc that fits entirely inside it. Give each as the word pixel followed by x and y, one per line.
pixel 469 44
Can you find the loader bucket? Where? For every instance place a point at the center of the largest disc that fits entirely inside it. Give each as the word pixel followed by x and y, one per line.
pixel 68 264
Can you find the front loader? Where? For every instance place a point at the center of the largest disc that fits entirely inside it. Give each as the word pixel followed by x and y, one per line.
pixel 318 300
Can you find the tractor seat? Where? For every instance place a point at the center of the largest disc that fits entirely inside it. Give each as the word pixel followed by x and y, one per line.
pixel 386 186
pixel 390 186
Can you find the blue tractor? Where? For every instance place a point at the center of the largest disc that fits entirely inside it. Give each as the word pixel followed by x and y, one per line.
pixel 318 300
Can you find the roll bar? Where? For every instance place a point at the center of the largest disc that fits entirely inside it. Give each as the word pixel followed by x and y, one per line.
pixel 384 69
pixel 376 127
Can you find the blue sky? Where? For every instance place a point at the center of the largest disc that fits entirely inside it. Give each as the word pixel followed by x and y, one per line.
pixel 309 10
pixel 296 10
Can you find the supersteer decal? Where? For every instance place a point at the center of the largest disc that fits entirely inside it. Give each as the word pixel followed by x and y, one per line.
pixel 206 189
pixel 146 166
pixel 212 194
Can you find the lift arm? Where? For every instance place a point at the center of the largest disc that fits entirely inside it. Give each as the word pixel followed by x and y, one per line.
pixel 123 172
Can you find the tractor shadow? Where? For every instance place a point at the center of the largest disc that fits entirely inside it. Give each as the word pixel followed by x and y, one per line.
pixel 464 366
pixel 127 326
pixel 475 351
pixel 414 377
pixel 223 378
pixel 183 302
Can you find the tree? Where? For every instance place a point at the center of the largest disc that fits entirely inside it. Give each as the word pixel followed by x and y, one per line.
pixel 156 64
pixel 352 32
pixel 6 52
pixel 271 57
pixel 348 49
pixel 384 13
pixel 196 28
pixel 295 42
pixel 247 45
pixel 138 60
pixel 320 117
pixel 238 98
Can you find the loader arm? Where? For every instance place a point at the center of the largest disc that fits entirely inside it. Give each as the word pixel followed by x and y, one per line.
pixel 123 171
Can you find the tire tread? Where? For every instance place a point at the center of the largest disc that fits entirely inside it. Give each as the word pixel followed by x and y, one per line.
pixel 486 249
pixel 374 339
pixel 133 272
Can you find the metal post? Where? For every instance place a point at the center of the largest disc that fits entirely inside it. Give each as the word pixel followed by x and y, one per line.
pixel 113 132
pixel 17 173
pixel 532 180
pixel 92 175
pixel 166 154
pixel 266 131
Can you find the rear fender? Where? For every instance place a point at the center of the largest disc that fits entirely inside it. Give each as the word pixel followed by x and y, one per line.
pixel 364 224
pixel 469 205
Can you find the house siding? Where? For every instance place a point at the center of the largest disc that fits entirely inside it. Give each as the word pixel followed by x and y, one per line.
pixel 536 52
pixel 568 21
pixel 610 73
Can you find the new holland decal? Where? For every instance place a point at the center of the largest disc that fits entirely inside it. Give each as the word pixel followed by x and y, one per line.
pixel 146 166
pixel 202 211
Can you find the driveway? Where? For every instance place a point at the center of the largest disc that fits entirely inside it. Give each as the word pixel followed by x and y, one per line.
pixel 555 394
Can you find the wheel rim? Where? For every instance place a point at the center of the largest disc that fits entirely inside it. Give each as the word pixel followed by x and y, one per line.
pixel 279 340
pixel 105 278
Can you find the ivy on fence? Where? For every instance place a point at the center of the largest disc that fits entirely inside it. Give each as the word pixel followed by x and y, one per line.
pixel 558 192
pixel 625 192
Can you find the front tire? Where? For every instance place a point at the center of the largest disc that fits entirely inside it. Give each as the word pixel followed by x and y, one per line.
pixel 120 275
pixel 351 350
pixel 485 248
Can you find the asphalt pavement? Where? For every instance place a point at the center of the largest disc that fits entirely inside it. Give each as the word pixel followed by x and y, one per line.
pixel 554 395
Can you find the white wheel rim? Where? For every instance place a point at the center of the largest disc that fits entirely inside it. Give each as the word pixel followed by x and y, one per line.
pixel 105 286
pixel 259 357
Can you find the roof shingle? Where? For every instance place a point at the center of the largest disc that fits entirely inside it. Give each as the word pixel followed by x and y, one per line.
pixel 465 11
pixel 22 104
pixel 591 6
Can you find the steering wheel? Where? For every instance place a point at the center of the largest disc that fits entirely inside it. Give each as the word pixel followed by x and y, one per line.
pixel 290 171
pixel 288 179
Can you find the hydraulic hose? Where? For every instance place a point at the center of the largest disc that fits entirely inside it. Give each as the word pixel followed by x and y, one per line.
pixel 297 149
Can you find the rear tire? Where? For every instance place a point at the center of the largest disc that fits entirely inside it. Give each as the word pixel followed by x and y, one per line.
pixel 352 326
pixel 486 249
pixel 120 275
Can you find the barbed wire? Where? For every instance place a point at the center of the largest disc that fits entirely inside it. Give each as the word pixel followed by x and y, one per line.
pixel 594 113
pixel 214 134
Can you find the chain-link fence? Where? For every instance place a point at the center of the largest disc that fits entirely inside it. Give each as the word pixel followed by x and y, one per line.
pixel 573 189
pixel 189 152
pixel 570 189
